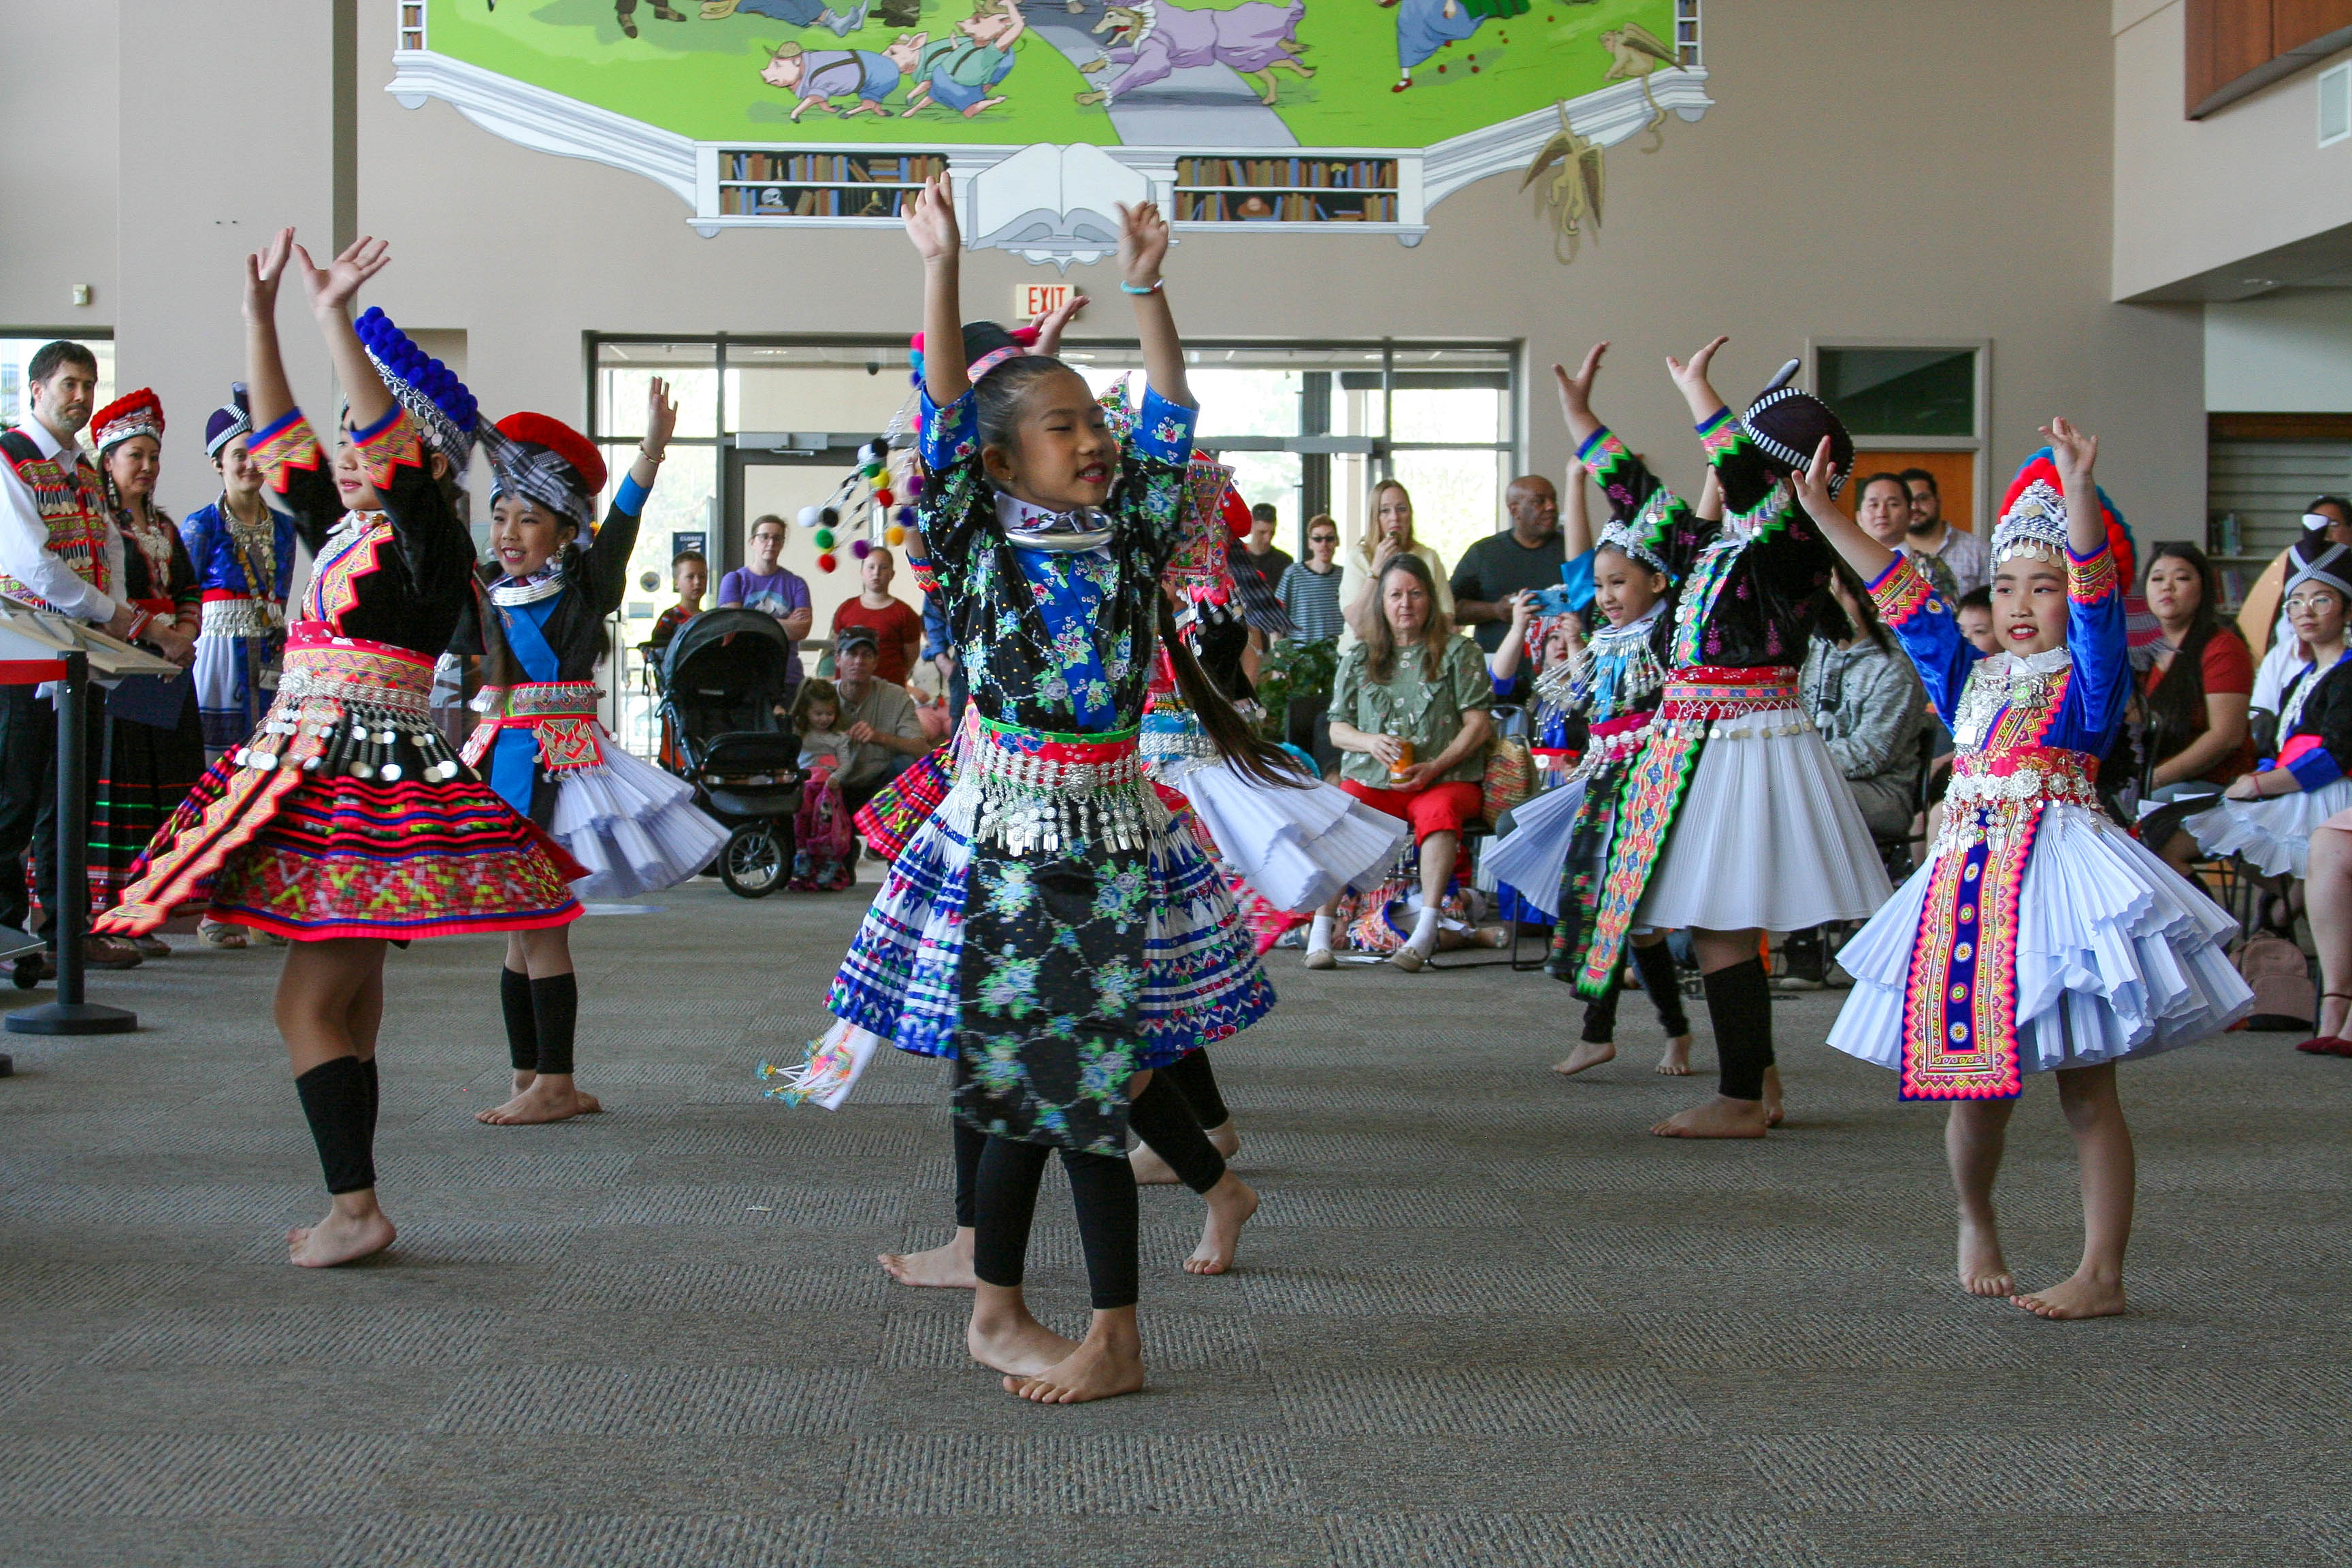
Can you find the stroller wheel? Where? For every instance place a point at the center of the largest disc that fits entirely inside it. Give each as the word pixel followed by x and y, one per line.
pixel 753 863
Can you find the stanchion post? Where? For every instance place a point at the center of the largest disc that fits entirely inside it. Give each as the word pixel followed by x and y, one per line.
pixel 69 1014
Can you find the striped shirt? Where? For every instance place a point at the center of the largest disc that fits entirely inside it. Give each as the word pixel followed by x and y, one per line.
pixel 1312 600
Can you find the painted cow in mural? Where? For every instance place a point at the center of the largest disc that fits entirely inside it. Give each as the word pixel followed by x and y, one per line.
pixel 1149 38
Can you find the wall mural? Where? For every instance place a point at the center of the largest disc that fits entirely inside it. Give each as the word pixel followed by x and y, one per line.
pixel 1246 114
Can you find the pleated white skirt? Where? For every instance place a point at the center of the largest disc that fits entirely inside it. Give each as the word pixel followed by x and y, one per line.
pixel 2274 835
pixel 1299 849
pixel 1768 835
pixel 1531 856
pixel 636 827
pixel 2116 955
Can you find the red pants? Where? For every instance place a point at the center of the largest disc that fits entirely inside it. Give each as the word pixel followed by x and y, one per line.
pixel 1440 808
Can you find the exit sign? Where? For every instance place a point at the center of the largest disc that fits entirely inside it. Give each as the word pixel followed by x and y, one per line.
pixel 1030 300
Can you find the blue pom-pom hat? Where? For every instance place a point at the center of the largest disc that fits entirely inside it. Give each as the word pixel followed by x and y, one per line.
pixel 444 411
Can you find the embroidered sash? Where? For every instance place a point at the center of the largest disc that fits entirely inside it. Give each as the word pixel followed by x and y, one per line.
pixel 1959 1000
pixel 1695 700
pixel 560 714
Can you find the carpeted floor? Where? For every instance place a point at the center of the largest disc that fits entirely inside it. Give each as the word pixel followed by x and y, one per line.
pixel 1483 1317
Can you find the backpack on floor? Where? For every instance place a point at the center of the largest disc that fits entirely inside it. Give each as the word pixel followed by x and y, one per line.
pixel 2279 977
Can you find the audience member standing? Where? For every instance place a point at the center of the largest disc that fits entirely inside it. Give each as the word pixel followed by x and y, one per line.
pixel 1263 556
pixel 1391 535
pixel 1526 555
pixel 1883 508
pixel 878 718
pixel 897 630
pixel 1962 553
pixel 761 583
pixel 59 550
pixel 1309 591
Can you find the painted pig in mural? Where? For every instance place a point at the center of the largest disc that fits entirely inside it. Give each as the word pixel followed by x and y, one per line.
pixel 1151 37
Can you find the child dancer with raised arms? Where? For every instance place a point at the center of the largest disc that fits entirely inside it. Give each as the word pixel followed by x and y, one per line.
pixel 2040 937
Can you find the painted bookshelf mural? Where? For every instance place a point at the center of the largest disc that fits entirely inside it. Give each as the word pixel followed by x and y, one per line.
pixel 1247 115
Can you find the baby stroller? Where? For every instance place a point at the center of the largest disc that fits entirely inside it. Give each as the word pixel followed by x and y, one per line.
pixel 721 681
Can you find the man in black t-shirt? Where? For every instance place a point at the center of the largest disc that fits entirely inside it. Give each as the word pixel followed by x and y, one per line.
pixel 1528 555
pixel 1268 560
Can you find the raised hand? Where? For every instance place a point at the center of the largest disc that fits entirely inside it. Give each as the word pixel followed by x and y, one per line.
pixel 2075 453
pixel 1694 374
pixel 930 220
pixel 1576 390
pixel 1143 243
pixel 334 286
pixel 1812 482
pixel 264 270
pixel 1051 325
pixel 661 417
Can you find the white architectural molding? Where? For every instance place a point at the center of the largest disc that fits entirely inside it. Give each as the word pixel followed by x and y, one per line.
pixel 544 122
pixel 1608 117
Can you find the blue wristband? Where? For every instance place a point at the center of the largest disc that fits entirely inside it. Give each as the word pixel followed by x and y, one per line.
pixel 1127 287
pixel 631 497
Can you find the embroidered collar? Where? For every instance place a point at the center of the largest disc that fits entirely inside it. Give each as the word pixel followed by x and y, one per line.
pixel 2008 666
pixel 347 528
pixel 1613 638
pixel 543 584
pixel 1034 527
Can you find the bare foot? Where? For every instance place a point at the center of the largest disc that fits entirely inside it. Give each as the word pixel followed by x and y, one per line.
pixel 949 1266
pixel 1231 1203
pixel 1983 1271
pixel 1104 1366
pixel 550 1097
pixel 1013 1341
pixel 1227 1138
pixel 2082 1296
pixel 1675 1063
pixel 1721 1117
pixel 343 1236
pixel 1773 1114
pixel 1587 1054
pixel 1150 1170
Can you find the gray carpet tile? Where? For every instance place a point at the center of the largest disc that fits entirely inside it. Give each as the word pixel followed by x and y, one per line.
pixel 1483 1317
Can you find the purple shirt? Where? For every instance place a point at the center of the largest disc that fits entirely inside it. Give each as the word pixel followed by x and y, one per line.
pixel 778 593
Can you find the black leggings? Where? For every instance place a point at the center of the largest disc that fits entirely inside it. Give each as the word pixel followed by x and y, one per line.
pixel 1656 964
pixel 1103 1188
pixel 1190 1076
pixel 1739 1006
pixel 1162 1117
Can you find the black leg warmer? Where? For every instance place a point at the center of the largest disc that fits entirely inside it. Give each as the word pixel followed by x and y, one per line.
pixel 1007 1206
pixel 1656 962
pixel 374 1097
pixel 1191 1076
pixel 336 1101
pixel 1108 1227
pixel 1601 1016
pixel 1163 1119
pixel 1739 1006
pixel 523 1034
pixel 555 1012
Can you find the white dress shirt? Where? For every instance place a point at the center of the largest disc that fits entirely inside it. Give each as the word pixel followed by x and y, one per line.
pixel 24 551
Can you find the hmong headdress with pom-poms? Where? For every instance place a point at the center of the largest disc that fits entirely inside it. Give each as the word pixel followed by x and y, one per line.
pixel 140 413
pixel 546 461
pixel 2034 519
pixel 444 412
pixel 1787 426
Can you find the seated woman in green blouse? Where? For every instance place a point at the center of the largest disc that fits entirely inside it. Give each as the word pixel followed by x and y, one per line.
pixel 1409 717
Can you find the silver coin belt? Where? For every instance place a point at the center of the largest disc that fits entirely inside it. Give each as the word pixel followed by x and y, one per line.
pixel 364 727
pixel 1023 802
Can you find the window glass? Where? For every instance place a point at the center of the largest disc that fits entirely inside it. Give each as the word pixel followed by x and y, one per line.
pixel 1245 402
pixel 1902 392
pixel 1448 414
pixel 1456 497
pixel 682 502
pixel 623 370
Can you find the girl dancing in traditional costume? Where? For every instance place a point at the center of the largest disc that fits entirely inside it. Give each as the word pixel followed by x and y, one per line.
pixel 635 827
pixel 1737 820
pixel 1558 855
pixel 1051 925
pixel 345 822
pixel 2039 937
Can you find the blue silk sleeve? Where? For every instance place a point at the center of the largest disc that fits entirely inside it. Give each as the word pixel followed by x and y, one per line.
pixel 1929 632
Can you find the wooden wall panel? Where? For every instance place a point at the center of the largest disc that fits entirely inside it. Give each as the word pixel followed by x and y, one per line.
pixel 2295 23
pixel 2226 40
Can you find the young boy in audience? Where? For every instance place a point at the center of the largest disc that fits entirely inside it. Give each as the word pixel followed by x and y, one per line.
pixel 691 575
pixel 1974 613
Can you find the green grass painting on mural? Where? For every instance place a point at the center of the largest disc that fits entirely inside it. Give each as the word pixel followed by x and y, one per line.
pixel 701 77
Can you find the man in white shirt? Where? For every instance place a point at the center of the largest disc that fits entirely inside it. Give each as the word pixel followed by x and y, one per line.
pixel 60 551
pixel 1962 551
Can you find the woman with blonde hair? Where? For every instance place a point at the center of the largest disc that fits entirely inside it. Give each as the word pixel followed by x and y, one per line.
pixel 1388 535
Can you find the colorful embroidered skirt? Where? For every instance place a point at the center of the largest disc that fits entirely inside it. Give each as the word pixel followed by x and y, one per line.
pixel 2110 953
pixel 143 774
pixel 635 827
pixel 345 816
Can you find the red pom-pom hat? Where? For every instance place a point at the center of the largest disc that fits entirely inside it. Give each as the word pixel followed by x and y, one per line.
pixel 542 460
pixel 140 413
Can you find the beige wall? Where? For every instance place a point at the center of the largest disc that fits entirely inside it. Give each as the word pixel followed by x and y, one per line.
pixel 2193 195
pixel 2288 353
pixel 58 177
pixel 1977 225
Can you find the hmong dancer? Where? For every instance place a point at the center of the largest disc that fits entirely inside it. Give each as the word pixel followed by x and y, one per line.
pixel 244 553
pixel 1563 839
pixel 2265 817
pixel 1051 925
pixel 345 822
pixel 2039 937
pixel 1736 819
pixel 150 759
pixel 635 827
